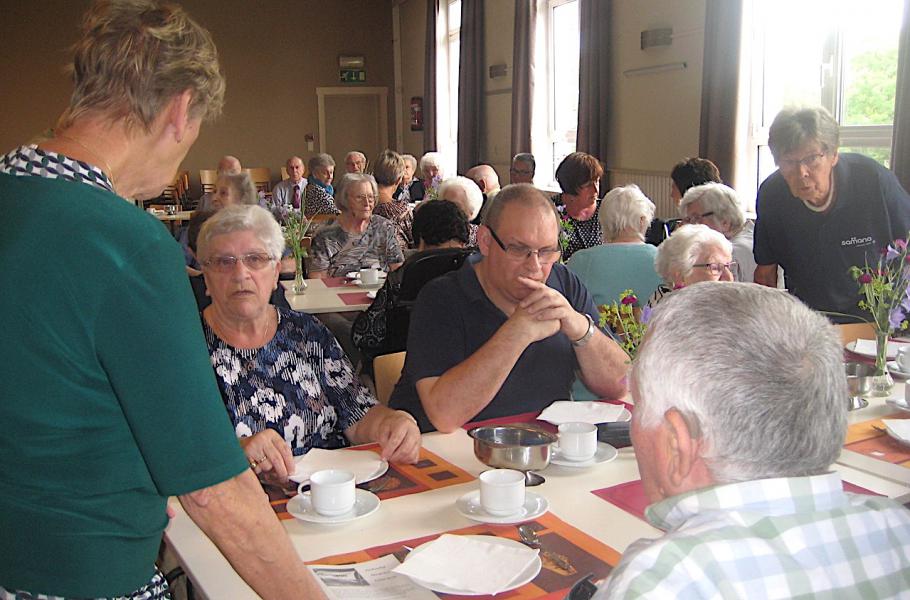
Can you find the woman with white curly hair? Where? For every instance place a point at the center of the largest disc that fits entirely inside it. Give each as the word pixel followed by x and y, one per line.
pixel 694 253
pixel 286 383
pixel 718 206
pixel 465 193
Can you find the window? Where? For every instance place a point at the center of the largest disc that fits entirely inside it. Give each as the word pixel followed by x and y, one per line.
pixel 840 54
pixel 555 120
pixel 448 45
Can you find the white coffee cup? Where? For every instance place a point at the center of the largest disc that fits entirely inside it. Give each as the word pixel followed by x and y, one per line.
pixel 903 358
pixel 331 492
pixel 369 276
pixel 577 441
pixel 502 491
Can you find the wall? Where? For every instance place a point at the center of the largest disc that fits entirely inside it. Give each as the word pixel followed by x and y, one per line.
pixel 499 31
pixel 412 21
pixel 274 54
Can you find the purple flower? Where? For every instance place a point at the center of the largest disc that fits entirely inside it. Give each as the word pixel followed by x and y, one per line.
pixel 891 254
pixel 896 317
pixel 630 299
pixel 901 244
pixel 865 278
pixel 646 314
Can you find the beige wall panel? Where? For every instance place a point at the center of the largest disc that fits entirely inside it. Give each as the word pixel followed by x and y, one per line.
pixel 412 15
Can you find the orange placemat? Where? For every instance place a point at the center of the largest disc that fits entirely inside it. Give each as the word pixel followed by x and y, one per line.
pixel 430 472
pixel 864 439
pixel 583 553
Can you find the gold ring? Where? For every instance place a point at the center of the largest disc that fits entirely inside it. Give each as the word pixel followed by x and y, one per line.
pixel 253 464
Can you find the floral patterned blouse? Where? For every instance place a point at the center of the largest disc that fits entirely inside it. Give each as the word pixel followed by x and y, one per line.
pixel 581 234
pixel 338 252
pixel 317 201
pixel 399 213
pixel 300 384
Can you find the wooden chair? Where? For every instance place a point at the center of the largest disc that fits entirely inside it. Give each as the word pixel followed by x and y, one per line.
pixel 284 174
pixel 262 179
pixel 208 178
pixel 386 372
pixel 850 332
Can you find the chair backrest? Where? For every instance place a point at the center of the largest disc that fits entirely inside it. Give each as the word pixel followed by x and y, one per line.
pixel 850 332
pixel 386 372
pixel 262 178
pixel 422 268
pixel 284 174
pixel 208 178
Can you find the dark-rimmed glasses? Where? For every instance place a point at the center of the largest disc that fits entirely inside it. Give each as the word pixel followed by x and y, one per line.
pixel 254 261
pixel 697 219
pixel 811 162
pixel 546 256
pixel 718 268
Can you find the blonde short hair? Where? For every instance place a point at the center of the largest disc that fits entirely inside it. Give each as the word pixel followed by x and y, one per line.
pixel 134 56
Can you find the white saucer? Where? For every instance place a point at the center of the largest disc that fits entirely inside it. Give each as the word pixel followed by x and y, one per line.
pixel 369 286
pixel 469 506
pixel 605 453
pixel 371 294
pixel 524 577
pixel 301 507
pixel 898 403
pixel 895 369
pixel 356 275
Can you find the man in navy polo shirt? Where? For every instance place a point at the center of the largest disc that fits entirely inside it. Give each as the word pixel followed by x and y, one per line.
pixel 823 212
pixel 505 334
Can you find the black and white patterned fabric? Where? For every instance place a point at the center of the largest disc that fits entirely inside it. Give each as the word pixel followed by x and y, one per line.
pixel 155 589
pixel 581 234
pixel 33 161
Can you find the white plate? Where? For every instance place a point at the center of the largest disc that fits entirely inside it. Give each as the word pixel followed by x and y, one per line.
pixel 369 286
pixel 605 453
pixel 898 403
pixel 356 275
pixel 469 506
pixel 895 369
pixel 892 348
pixel 361 476
pixel 524 577
pixel 301 507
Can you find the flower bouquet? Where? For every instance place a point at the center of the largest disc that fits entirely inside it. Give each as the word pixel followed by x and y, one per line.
pixel 628 321
pixel 295 228
pixel 884 291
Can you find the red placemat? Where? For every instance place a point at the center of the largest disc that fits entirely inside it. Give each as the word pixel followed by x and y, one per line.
pixel 583 553
pixel 630 496
pixel 864 439
pixel 334 282
pixel 430 472
pixel 529 418
pixel 351 298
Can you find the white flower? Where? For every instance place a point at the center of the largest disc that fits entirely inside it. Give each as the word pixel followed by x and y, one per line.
pixel 269 404
pixel 337 373
pixel 226 365
pixel 243 430
pixel 294 432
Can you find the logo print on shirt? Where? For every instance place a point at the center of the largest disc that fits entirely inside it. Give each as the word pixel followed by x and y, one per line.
pixel 855 241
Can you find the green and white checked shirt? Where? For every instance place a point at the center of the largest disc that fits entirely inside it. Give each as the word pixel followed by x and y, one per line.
pixel 800 537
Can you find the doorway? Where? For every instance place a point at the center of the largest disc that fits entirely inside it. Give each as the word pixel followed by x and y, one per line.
pixel 353 119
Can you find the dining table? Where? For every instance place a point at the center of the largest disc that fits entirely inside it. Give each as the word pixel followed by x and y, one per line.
pixel 330 295
pixel 594 514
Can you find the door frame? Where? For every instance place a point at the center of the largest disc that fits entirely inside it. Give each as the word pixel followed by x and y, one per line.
pixel 382 93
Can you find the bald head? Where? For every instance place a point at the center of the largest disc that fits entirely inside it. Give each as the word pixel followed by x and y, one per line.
pixel 485 177
pixel 294 167
pixel 229 165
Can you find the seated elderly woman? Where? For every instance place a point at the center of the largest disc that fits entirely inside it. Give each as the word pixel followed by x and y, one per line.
pixel 318 192
pixel 579 179
pixel 389 172
pixel 285 381
pixel 232 189
pixel 467 196
pixel 431 170
pixel 411 187
pixel 692 254
pixel 717 206
pixel 357 239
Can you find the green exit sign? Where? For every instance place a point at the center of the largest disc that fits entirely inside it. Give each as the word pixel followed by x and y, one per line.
pixel 353 75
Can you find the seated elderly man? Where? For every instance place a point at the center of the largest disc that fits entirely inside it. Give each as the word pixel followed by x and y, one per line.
pixel 355 162
pixel 717 206
pixel 692 254
pixel 736 457
pixel 288 193
pixel 523 168
pixel 505 334
pixel 822 212
pixel 488 181
pixel 467 196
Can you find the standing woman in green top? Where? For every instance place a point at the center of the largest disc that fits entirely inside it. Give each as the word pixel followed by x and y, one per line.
pixel 109 403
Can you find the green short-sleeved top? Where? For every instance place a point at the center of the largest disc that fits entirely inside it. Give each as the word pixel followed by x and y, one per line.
pixel 108 401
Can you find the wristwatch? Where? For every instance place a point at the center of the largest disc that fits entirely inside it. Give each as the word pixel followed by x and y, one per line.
pixel 588 334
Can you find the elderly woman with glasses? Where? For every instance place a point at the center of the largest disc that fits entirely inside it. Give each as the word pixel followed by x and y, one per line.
pixel 357 239
pixel 579 178
pixel 717 206
pixel 285 381
pixel 822 212
pixel 694 253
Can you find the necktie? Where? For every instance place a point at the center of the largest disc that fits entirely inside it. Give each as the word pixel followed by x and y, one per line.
pixel 296 200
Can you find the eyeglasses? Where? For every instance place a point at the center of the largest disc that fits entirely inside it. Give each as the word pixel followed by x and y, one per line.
pixel 254 261
pixel 546 256
pixel 365 198
pixel 811 162
pixel 697 219
pixel 718 268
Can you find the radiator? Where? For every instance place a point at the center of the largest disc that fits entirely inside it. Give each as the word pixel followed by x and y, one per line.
pixel 654 184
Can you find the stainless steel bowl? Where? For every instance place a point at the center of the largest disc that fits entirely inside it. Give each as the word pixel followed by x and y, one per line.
pixel 520 447
pixel 859 383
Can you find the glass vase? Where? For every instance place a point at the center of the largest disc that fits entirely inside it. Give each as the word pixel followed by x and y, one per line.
pixel 299 286
pixel 882 383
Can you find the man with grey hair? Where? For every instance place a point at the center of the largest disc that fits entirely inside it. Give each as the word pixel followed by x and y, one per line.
pixel 355 162
pixel 735 456
pixel 822 212
pixel 505 334
pixel 523 168
pixel 288 193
